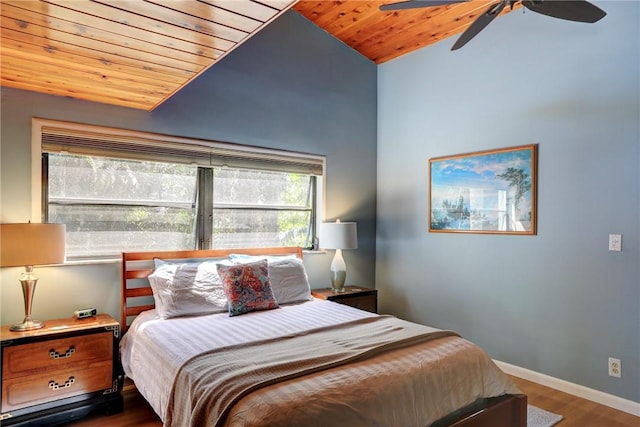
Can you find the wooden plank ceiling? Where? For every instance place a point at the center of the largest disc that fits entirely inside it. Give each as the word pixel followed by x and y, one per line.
pixel 130 53
pixel 138 53
pixel 382 36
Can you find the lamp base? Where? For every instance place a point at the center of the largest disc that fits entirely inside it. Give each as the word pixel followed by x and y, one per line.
pixel 27 325
pixel 338 272
pixel 337 281
pixel 28 280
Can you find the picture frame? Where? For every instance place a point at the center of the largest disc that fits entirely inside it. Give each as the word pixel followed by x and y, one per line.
pixel 485 192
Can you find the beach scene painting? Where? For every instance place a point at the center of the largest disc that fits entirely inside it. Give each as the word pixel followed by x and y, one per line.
pixel 491 191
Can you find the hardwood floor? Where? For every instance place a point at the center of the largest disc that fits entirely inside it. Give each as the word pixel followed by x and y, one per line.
pixel 137 413
pixel 576 412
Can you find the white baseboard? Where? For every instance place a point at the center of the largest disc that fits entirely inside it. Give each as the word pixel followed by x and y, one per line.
pixel 600 397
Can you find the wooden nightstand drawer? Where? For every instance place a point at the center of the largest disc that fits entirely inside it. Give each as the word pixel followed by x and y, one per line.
pixel 56 354
pixel 367 303
pixel 35 389
pixel 354 296
pixel 58 373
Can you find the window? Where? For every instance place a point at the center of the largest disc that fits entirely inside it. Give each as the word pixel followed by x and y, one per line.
pixel 120 193
pixel 113 205
pixel 261 208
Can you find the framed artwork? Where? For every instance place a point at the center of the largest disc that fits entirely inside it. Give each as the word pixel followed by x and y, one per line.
pixel 491 191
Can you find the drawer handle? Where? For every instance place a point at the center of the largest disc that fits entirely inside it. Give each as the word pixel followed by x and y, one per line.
pixel 55 386
pixel 55 355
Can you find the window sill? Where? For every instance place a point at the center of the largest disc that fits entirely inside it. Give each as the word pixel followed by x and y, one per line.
pixel 118 260
pixel 92 261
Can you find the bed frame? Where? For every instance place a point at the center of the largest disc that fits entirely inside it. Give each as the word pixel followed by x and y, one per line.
pixel 137 266
pixel 502 411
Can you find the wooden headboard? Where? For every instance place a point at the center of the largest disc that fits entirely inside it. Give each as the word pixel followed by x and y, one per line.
pixel 137 295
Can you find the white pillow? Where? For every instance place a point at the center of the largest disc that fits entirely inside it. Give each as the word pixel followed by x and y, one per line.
pixel 288 276
pixel 185 289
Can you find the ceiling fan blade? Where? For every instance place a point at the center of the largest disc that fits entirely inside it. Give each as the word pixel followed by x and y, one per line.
pixel 571 10
pixel 414 4
pixel 479 24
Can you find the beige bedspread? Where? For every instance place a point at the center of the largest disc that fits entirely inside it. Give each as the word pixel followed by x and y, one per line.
pixel 392 373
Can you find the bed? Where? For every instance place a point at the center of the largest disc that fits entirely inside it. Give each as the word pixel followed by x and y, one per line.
pixel 293 360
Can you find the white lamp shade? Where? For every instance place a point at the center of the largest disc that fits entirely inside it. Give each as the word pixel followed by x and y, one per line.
pixel 338 235
pixel 31 244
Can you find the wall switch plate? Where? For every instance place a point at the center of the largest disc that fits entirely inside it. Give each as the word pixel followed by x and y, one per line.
pixel 615 242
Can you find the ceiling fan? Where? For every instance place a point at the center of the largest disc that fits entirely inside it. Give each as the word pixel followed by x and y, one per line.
pixel 571 10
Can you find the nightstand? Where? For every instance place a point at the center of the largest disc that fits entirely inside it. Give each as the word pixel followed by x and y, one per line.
pixel 61 372
pixel 355 296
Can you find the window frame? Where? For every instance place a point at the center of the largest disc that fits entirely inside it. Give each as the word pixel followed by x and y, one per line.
pixel 39 183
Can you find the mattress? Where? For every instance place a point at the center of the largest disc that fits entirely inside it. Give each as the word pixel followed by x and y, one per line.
pixel 408 386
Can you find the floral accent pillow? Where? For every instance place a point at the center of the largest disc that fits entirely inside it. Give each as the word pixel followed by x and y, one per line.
pixel 287 274
pixel 247 286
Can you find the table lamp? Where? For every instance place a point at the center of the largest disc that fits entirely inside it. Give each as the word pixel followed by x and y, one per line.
pixel 338 235
pixel 28 245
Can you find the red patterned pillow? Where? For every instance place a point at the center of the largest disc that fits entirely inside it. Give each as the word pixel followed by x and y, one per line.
pixel 247 287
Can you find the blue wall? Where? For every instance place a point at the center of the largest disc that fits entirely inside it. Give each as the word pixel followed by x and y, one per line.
pixel 558 303
pixel 305 93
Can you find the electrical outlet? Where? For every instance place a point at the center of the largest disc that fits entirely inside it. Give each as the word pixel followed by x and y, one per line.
pixel 615 368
